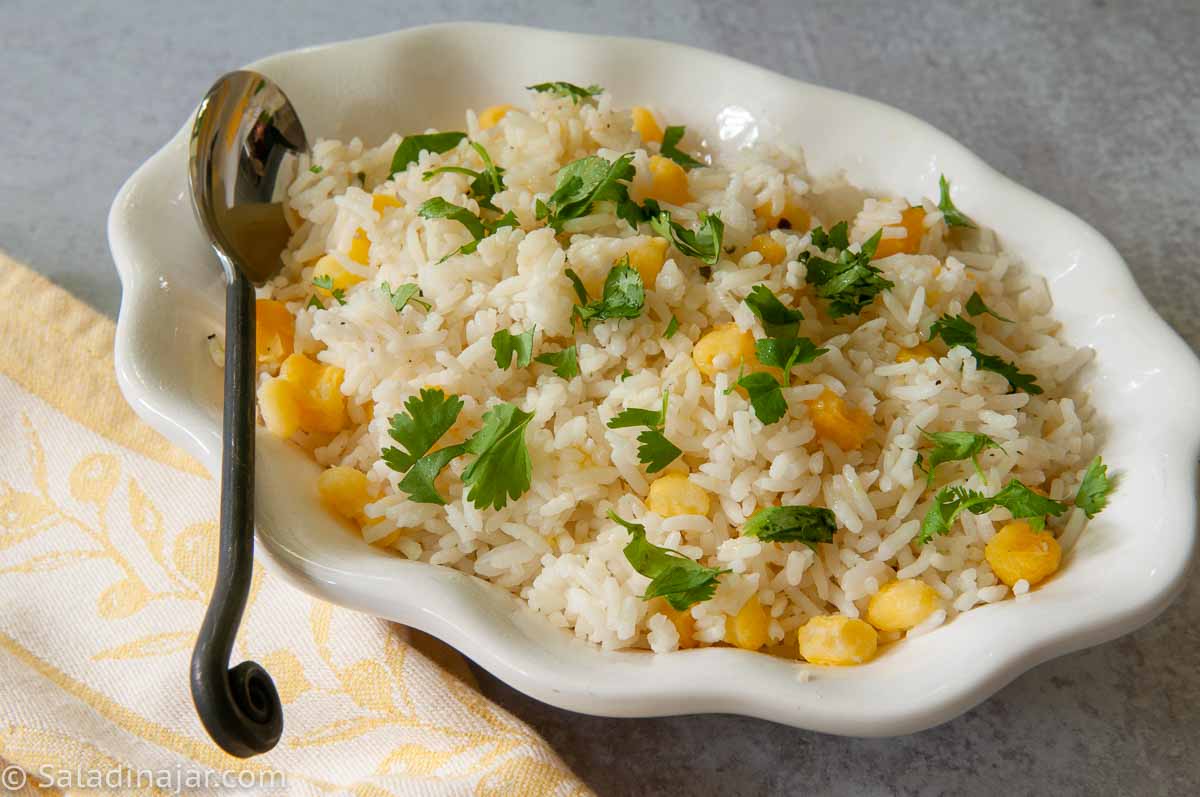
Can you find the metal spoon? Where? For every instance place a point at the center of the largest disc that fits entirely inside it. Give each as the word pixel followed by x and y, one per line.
pixel 244 147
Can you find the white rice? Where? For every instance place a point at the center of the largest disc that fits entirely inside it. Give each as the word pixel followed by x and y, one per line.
pixel 554 546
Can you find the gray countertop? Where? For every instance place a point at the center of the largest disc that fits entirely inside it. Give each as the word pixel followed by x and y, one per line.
pixel 1095 105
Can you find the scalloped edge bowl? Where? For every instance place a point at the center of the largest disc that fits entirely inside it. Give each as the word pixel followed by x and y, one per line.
pixel 1126 568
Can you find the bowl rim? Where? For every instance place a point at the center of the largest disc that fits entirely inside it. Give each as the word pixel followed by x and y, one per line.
pixel 456 607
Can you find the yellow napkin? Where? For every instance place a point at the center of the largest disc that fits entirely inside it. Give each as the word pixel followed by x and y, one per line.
pixel 107 556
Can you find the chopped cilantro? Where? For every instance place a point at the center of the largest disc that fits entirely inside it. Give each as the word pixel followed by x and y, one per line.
pixel 438 208
pixel 411 147
pixel 313 301
pixel 325 281
pixel 500 471
pixel 672 328
pixel 807 524
pixel 1019 500
pixel 670 148
pixel 485 185
pixel 682 581
pixel 405 293
pixel 623 296
pixel 785 353
pixel 849 283
pixel 582 183
pixel 954 217
pixel 315 169
pixel 564 362
pixel 562 88
pixel 778 319
pixel 1094 489
pixel 506 344
pixel 426 418
pixel 766 396
pixel 703 243
pixel 976 306
pixel 954 446
pixel 957 331
pixel 655 450
pixel 626 374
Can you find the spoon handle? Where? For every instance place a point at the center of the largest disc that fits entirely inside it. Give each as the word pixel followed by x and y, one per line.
pixel 239 707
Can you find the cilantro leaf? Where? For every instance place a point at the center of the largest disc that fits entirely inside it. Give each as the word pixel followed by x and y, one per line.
pixel 485 185
pixel 582 183
pixel 411 147
pixel 313 301
pixel 623 296
pixel 316 169
pixel 418 482
pixel 954 330
pixel 655 451
pixel 562 88
pixel 325 281
pixel 506 344
pixel 405 293
pixel 703 243
pixel 1024 503
pixel 850 282
pixel 976 306
pixel 807 524
pixel 954 217
pixel 426 418
pixel 778 319
pixel 954 446
pixel 682 581
pixel 626 374
pixel 502 469
pixel 1019 500
pixel 1094 489
pixel 670 148
pixel 672 328
pixel 766 396
pixel 786 352
pixel 957 331
pixel 564 362
pixel 438 208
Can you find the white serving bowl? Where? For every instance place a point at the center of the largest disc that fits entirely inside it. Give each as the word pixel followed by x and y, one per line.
pixel 1145 383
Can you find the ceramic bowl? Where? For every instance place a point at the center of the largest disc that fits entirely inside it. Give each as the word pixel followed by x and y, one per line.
pixel 1145 383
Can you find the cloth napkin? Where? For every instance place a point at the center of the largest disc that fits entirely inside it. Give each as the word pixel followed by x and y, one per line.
pixel 108 542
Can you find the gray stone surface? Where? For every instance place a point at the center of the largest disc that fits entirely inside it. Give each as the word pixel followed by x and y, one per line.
pixel 1093 104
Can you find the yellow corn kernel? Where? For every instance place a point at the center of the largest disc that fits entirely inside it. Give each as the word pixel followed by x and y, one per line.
pixel 344 490
pixel 274 331
pixel 836 640
pixel 279 403
pixel 676 494
pixel 648 258
pixel 360 248
pixel 728 339
pixel 646 126
pixel 684 624
pixel 379 202
pixel 748 628
pixel 835 420
pixel 318 391
pixel 899 605
pixel 794 216
pixel 912 219
pixel 1018 552
pixel 773 252
pixel 341 279
pixel 918 352
pixel 490 117
pixel 668 181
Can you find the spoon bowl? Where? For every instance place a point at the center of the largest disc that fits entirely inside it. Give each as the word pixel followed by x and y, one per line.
pixel 245 146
